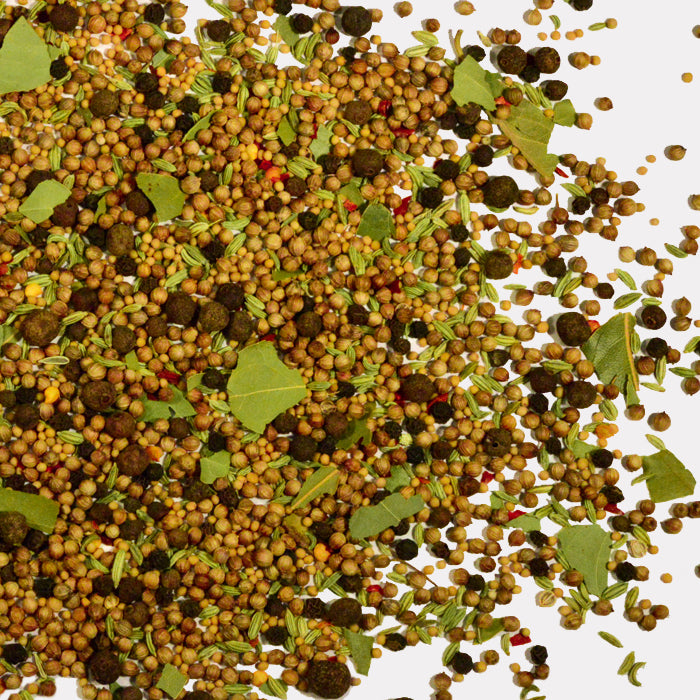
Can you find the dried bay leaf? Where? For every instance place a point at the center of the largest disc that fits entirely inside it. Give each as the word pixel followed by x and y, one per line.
pixel 40 512
pixel 471 84
pixel 667 478
pixel 214 466
pixel 199 125
pixel 526 523
pixel 24 60
pixel 357 433
pixel 587 549
pixel 283 27
pixel 323 480
pixel 171 681
pixel 321 145
pixel 262 386
pixel 529 131
pixel 165 194
pixel 399 478
pixel 564 113
pixel 360 649
pixel 610 351
pixel 371 520
pixel 43 200
pixel 582 449
pixel 377 223
pixel 286 132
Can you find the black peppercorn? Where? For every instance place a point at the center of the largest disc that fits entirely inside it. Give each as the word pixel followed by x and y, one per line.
pixel 344 612
pixel 573 328
pixel 356 21
pixel 154 13
pixel 626 571
pixel 500 191
pixel 58 68
pixel 218 30
pixel 604 290
pixel 221 82
pixel 497 442
pixel 462 663
pixel 302 24
pixel 555 90
pixel 441 412
pixel 580 394
pixel 538 654
pixel 475 583
pixel 482 155
pixel 497 265
pixel 653 317
pixel 476 52
pixel 367 162
pixel 547 59
pixel 430 197
pixel 656 347
pixel 395 642
pixel 538 567
pixel 555 267
pixel 542 381
pixel 511 59
pixel 406 549
pixel 530 74
pixel 447 169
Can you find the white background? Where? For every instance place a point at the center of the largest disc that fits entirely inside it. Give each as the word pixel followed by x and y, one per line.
pixel 642 63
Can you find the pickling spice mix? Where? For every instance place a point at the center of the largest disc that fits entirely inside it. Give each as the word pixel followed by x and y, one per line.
pixel 262 356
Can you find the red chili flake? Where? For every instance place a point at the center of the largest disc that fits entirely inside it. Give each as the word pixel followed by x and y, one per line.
pixel 125 34
pixel 559 171
pixel 423 480
pixel 285 176
pixel 593 325
pixel 518 264
pixel 375 589
pixel 403 131
pixel 403 207
pixel 517 640
pixel 486 477
pixel 333 658
pixel 169 376
pixel 270 337
pixel 349 206
pixel 395 287
pixel 500 100
pixel 3 269
pixel 384 107
pixel 438 399
pixel 264 164
pixel 612 508
pixel 315 129
pixel 513 514
pixel 152 397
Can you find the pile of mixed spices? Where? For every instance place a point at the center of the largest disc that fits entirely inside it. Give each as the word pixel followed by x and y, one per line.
pixel 256 356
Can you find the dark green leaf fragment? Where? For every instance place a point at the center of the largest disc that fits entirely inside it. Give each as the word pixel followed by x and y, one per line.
pixel 371 520
pixel 377 223
pixel 610 351
pixel 471 84
pixel 529 130
pixel 667 478
pixel 360 650
pixel 587 549
pixel 40 512
pixel 564 113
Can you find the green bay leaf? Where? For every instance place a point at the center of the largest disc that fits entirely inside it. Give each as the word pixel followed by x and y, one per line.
pixel 165 194
pixel 171 681
pixel 529 131
pixel 214 466
pixel 610 351
pixel 667 478
pixel 286 132
pixel 43 200
pixel 283 26
pixel 471 84
pixel 360 649
pixel 564 113
pixel 262 386
pixel 371 520
pixel 40 512
pixel 323 480
pixel 24 59
pixel 526 523
pixel 587 548
pixel 321 145
pixel 357 432
pixel 376 222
